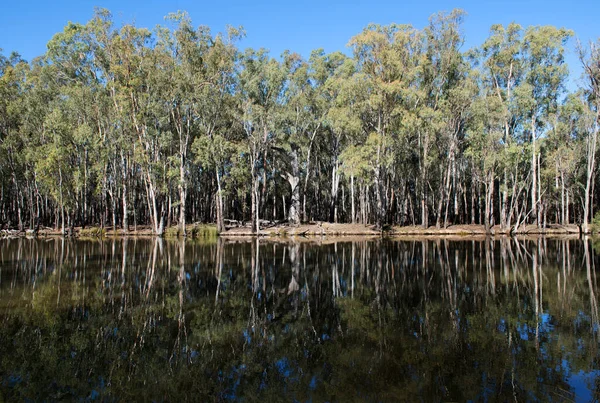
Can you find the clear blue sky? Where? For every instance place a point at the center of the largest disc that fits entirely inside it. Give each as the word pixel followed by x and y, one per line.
pixel 301 26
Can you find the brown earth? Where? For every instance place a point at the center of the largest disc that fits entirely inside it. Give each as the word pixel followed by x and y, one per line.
pixel 324 229
pixel 313 229
pixel 329 229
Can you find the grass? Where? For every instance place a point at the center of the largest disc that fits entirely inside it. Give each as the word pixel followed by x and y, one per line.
pixel 172 232
pixel 92 232
pixel 204 231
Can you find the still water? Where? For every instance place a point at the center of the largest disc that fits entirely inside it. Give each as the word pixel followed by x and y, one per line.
pixel 362 320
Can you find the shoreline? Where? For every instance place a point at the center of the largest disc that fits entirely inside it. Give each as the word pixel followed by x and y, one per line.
pixel 312 230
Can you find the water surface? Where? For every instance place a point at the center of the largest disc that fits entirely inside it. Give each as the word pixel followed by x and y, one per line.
pixel 367 320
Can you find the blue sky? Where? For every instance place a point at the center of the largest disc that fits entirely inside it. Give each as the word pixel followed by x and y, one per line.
pixel 301 26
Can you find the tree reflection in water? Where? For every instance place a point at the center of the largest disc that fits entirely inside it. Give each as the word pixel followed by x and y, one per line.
pixel 374 320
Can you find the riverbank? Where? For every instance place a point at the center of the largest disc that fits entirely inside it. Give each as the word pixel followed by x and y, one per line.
pixel 315 229
pixel 330 229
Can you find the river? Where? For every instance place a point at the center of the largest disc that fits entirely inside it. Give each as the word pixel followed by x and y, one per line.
pixel 275 320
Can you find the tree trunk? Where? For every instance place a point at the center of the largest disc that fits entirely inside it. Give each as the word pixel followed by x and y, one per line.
pixel 124 196
pixel 534 201
pixel 293 179
pixel 591 161
pixel 182 199
pixel 352 197
pixel 335 182
pixel 220 217
pixel 254 213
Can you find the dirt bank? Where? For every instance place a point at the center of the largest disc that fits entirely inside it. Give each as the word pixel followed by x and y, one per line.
pixel 316 229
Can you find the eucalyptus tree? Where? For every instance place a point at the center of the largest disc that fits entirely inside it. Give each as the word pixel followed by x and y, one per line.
pixel 447 95
pixel 502 72
pixel 545 74
pixel 527 72
pixel 113 162
pixel 81 94
pixel 311 93
pixel 563 154
pixel 590 59
pixel 296 119
pixel 4 124
pixel 343 121
pixel 13 88
pixel 215 104
pixel 261 83
pixel 387 59
pixel 198 87
pixel 139 69
pixel 355 164
pixel 485 149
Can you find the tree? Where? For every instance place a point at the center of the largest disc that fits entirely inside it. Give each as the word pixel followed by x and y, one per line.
pixel 544 78
pixel 261 84
pixel 591 68
pixel 387 59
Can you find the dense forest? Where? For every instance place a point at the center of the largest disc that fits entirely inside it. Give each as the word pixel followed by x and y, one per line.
pixel 122 126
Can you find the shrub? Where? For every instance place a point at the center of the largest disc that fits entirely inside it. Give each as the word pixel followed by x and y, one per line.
pixel 172 232
pixel 595 227
pixel 202 231
pixel 92 232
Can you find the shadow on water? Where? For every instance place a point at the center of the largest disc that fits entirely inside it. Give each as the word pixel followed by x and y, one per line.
pixel 370 320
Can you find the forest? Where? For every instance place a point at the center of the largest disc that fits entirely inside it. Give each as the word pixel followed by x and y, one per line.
pixel 119 126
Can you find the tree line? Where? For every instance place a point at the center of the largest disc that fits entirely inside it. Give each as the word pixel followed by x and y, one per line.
pixel 120 126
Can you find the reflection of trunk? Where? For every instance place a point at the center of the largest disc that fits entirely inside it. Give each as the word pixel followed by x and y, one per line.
pixel 352 269
pixel 505 265
pixel 537 284
pixel 593 300
pixel 218 267
pixel 489 266
pixel 295 262
pixel 181 316
pixel 123 267
pixel 335 275
pixel 255 265
pixel 562 288
pixel 151 268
